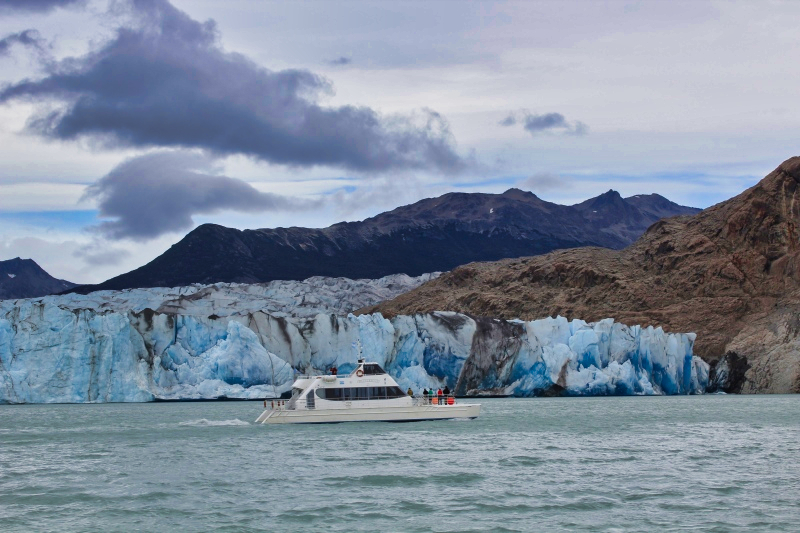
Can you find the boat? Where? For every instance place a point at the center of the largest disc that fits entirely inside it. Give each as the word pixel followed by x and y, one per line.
pixel 368 394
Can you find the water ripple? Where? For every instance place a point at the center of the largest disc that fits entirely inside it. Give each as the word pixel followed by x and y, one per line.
pixel 713 463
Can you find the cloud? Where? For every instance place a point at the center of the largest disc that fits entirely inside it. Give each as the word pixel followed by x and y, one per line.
pixel 27 38
pixel 545 182
pixel 164 80
pixel 340 61
pixel 100 253
pixel 535 124
pixel 158 193
pixel 510 120
pixel 37 6
pixel 79 257
pixel 368 199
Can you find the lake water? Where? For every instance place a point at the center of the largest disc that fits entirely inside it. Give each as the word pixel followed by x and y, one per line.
pixel 710 463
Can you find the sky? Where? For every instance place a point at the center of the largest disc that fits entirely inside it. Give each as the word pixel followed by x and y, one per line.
pixel 124 124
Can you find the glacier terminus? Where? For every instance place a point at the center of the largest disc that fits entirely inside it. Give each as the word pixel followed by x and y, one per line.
pixel 249 341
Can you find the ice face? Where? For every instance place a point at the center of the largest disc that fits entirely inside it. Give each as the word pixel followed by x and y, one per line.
pixel 92 349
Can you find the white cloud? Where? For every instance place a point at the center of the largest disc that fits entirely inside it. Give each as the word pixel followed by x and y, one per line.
pixel 78 257
pixel 42 197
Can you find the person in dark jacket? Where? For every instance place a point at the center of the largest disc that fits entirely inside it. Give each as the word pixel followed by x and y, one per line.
pixel 446 390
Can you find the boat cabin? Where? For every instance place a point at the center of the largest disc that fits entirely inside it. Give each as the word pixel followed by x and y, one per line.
pixel 366 383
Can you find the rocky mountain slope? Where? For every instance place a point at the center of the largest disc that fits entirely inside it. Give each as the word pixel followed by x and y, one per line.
pixel 23 278
pixel 431 235
pixel 730 273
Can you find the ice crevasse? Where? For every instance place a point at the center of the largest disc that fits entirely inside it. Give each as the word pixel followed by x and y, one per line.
pixel 57 353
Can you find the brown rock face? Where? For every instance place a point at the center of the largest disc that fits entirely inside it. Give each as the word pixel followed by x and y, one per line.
pixel 731 274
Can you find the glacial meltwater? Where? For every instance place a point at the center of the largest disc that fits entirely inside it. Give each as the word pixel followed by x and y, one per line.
pixel 705 463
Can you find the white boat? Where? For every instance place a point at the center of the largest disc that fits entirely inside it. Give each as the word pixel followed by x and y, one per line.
pixel 367 394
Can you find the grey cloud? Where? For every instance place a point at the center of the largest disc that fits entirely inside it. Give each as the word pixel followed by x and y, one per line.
pixel 510 120
pixel 534 124
pixel 99 253
pixel 27 38
pixel 37 6
pixel 579 128
pixel 545 182
pixel 159 192
pixel 380 193
pixel 166 81
pixel 340 61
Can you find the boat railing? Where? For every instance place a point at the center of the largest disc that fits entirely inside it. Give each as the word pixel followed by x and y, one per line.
pixel 435 399
pixel 315 376
pixel 444 400
pixel 280 405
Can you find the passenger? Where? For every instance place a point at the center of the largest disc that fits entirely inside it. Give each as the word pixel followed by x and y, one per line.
pixel 446 390
pixel 334 370
pixel 410 392
pixel 425 395
pixel 439 394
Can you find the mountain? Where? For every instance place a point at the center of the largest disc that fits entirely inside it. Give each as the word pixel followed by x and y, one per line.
pixel 627 218
pixel 431 235
pixel 730 273
pixel 23 278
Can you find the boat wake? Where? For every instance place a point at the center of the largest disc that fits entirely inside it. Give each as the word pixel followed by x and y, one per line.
pixel 206 422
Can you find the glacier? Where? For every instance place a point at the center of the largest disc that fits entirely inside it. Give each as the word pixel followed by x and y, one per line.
pixel 202 343
pixel 307 298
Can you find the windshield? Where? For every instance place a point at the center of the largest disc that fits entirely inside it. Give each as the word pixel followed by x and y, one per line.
pixel 372 369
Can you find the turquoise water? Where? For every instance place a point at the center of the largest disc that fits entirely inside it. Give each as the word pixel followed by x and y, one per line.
pixel 706 463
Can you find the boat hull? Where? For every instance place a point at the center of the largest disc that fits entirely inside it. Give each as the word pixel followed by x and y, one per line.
pixel 413 413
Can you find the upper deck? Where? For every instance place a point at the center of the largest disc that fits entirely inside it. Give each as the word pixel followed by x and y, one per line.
pixel 362 370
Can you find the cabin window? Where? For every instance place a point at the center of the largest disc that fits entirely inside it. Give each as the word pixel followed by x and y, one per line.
pixel 360 393
pixel 371 369
pixel 394 392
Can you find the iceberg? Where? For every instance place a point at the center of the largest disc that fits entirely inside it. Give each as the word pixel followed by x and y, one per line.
pixel 223 341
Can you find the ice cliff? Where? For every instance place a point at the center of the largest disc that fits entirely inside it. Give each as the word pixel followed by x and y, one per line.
pixel 206 343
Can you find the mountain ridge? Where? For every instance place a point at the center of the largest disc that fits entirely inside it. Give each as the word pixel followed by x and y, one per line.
pixel 433 234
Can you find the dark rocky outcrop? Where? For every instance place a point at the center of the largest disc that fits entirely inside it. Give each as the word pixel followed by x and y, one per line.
pixel 728 374
pixel 23 278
